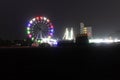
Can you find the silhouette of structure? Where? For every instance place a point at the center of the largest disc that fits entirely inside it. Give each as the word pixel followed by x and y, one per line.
pixel 69 34
pixel 81 39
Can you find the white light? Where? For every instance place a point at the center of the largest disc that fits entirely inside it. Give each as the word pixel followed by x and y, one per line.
pixel 116 40
pixel 31 22
pixel 48 20
pixel 49 41
pixel 45 18
pixel 28 28
pixel 33 19
pixel 95 40
pixel 108 41
pixel 103 40
pixel 69 34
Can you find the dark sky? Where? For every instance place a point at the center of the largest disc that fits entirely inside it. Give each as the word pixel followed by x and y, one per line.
pixel 102 15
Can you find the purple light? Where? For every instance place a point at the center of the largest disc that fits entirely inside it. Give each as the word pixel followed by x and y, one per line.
pixel 52 30
pixel 29 25
pixel 51 34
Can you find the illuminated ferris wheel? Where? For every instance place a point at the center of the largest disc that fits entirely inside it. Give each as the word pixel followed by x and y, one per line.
pixel 39 28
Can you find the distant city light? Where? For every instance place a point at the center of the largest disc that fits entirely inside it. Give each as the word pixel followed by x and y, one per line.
pixel 103 40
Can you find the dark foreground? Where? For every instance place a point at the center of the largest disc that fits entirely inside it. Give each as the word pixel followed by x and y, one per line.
pixel 86 62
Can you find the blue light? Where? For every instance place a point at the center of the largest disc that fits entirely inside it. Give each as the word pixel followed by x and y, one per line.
pixel 52 30
pixel 29 25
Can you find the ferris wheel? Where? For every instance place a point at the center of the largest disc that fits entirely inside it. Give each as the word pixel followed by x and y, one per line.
pixel 39 28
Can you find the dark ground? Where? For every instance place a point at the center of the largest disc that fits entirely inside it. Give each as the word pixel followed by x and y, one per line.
pixel 85 62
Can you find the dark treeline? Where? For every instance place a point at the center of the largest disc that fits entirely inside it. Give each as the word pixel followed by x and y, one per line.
pixel 25 42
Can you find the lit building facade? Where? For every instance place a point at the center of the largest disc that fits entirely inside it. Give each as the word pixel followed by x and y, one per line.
pixel 86 30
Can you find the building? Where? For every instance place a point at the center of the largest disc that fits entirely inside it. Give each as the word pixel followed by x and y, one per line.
pixel 81 39
pixel 86 30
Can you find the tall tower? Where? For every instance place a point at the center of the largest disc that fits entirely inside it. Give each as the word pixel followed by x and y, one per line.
pixel 66 34
pixel 85 30
pixel 81 27
pixel 69 34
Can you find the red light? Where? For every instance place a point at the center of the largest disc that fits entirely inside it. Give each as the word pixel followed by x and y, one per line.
pixel 37 18
pixel 41 17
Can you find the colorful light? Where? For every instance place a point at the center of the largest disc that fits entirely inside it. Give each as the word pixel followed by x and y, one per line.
pixel 28 28
pixel 48 20
pixel 28 32
pixel 39 41
pixel 29 25
pixel 30 35
pixel 41 17
pixel 45 18
pixel 33 19
pixel 52 30
pixel 37 18
pixel 31 22
pixel 51 34
pixel 51 26
pixel 32 38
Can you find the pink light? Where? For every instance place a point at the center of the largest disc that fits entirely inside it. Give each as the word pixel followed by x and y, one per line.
pixel 51 26
pixel 41 17
pixel 48 20
pixel 30 35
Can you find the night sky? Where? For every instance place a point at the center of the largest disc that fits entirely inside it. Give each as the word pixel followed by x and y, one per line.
pixel 102 15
